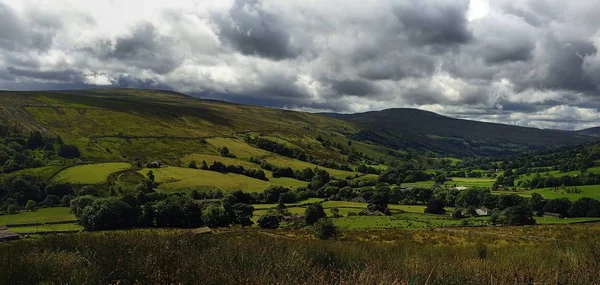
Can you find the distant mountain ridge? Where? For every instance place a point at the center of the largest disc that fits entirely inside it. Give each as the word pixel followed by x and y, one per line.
pixel 458 136
pixel 594 132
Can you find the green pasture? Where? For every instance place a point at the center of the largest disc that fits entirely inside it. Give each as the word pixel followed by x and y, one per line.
pixel 556 220
pixel 90 173
pixel 591 191
pixel 47 228
pixel 173 179
pixel 42 215
pixel 239 148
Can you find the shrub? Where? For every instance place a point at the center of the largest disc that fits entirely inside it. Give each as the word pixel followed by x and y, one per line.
pixel 325 229
pixel 30 206
pixel 435 206
pixel 13 209
pixel 69 151
pixel 268 221
pixel 313 213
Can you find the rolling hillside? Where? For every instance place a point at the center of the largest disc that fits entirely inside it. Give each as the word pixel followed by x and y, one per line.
pixel 126 124
pixel 423 129
pixel 594 132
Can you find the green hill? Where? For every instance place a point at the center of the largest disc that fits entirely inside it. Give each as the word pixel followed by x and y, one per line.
pixel 426 130
pixel 594 132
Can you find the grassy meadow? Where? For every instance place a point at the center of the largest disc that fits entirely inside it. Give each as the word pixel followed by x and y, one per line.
pixel 90 173
pixel 177 179
pixel 502 255
pixel 590 191
pixel 42 215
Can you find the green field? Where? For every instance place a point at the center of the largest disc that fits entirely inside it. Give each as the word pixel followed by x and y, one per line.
pixel 590 191
pixel 555 220
pixel 90 173
pixel 174 179
pixel 43 215
pixel 471 182
pixel 46 228
pixel 239 148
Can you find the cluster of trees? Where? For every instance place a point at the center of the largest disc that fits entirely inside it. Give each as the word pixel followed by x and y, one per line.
pixel 584 207
pixel 224 151
pixel 159 210
pixel 403 175
pixel 306 174
pixel 539 181
pixel 276 147
pixel 570 158
pixel 220 167
pixel 282 149
pixel 19 150
pixel 367 169
pixel 18 191
pixel 314 215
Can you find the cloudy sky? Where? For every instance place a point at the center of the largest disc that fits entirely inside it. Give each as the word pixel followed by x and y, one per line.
pixel 525 62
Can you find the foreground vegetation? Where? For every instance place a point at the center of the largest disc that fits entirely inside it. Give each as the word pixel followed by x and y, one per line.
pixel 540 255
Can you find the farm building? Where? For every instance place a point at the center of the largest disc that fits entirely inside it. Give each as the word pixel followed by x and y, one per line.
pixel 202 231
pixel 483 211
pixel 6 235
pixel 552 215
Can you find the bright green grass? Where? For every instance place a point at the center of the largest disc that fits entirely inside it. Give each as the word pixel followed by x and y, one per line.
pixel 471 182
pixel 90 173
pixel 591 191
pixel 367 177
pixel 239 148
pixel 174 179
pixel 555 220
pixel 43 215
pixel 46 228
pixel 185 179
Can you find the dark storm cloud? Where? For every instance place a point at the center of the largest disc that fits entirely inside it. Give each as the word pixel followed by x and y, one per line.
pixel 143 48
pixel 565 65
pixel 52 75
pixel 254 31
pixel 397 66
pixel 525 62
pixel 18 33
pixel 353 87
pixel 435 22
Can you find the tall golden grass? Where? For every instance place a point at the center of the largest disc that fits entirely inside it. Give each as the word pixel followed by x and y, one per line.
pixel 448 256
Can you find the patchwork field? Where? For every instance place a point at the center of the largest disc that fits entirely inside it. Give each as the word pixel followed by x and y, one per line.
pixel 43 215
pixel 239 148
pixel 90 173
pixel 591 191
pixel 174 179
